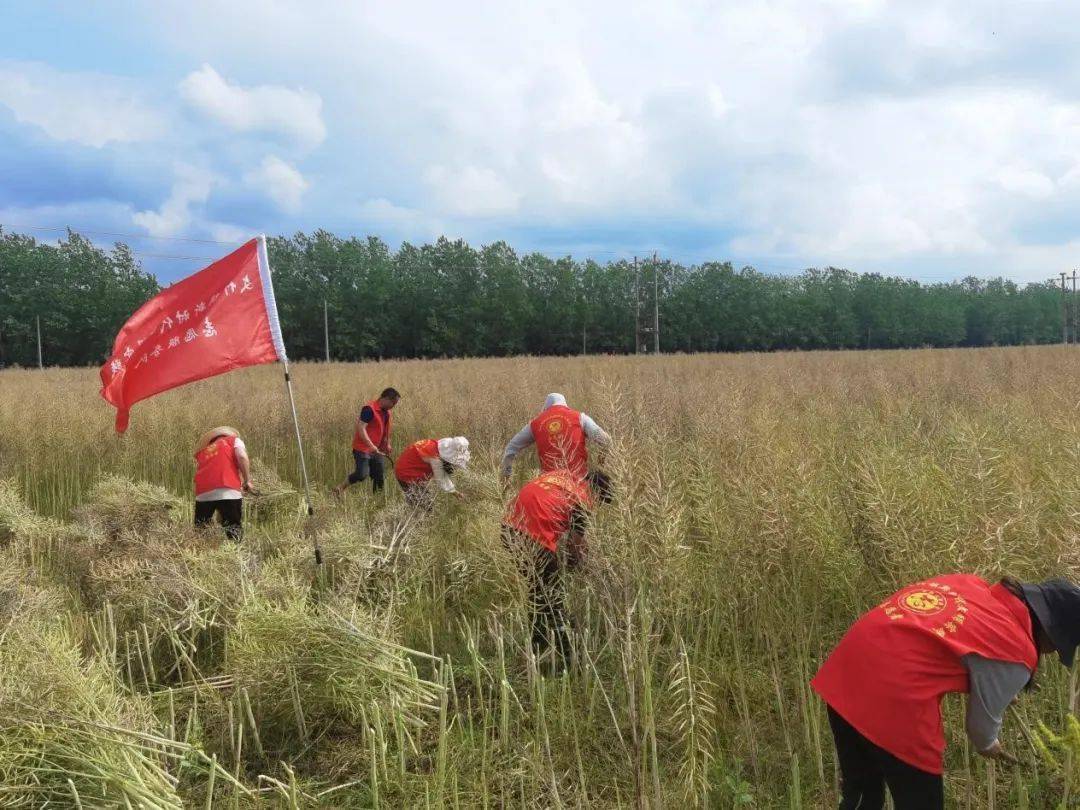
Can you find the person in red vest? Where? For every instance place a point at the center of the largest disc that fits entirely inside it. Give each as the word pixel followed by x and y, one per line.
pixel 222 476
pixel 427 459
pixel 546 518
pixel 884 682
pixel 560 434
pixel 371 441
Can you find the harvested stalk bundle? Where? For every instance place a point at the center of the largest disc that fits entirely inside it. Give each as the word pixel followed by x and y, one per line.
pixel 55 550
pixel 20 523
pixel 23 595
pixel 310 673
pixel 275 498
pixel 66 730
pixel 161 586
pixel 117 505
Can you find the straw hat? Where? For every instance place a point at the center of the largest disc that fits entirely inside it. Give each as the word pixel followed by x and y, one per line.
pixel 455 451
pixel 217 432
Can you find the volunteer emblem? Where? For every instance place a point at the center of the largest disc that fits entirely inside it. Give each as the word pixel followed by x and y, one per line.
pixel 923 602
pixel 554 426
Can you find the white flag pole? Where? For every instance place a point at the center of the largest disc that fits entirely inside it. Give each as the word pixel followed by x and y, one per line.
pixel 279 346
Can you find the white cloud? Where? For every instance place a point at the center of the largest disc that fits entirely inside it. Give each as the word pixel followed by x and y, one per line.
pixel 280 181
pixel 849 132
pixel 85 108
pixel 398 221
pixel 472 191
pixel 191 187
pixel 1026 182
pixel 224 232
pixel 263 108
pixel 95 214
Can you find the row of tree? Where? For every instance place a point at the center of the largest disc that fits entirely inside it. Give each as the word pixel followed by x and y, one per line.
pixel 450 299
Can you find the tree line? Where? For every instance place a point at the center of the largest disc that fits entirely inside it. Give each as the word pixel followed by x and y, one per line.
pixel 450 299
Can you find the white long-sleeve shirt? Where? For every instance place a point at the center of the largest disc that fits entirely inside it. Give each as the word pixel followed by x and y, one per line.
pixel 524 438
pixel 440 475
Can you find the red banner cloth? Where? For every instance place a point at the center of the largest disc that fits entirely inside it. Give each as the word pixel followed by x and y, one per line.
pixel 222 318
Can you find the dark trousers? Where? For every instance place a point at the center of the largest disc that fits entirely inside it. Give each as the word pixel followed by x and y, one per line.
pixel 232 515
pixel 367 466
pixel 866 769
pixel 547 594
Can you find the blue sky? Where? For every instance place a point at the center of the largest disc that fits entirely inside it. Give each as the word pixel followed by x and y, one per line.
pixel 929 139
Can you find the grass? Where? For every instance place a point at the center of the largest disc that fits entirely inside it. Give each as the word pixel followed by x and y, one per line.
pixel 764 501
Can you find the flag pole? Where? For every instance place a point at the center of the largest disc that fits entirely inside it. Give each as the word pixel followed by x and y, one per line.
pixel 300 447
pixel 264 261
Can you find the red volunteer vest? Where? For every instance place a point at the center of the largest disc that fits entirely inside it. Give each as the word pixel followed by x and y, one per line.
pixel 889 672
pixel 412 465
pixel 543 508
pixel 377 430
pixel 216 467
pixel 560 441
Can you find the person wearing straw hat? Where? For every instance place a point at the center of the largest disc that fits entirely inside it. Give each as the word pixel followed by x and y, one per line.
pixel 543 525
pixel 222 476
pixel 883 683
pixel 430 459
pixel 560 434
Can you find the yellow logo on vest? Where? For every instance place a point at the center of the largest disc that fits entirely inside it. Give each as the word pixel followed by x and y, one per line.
pixel 925 603
pixel 555 426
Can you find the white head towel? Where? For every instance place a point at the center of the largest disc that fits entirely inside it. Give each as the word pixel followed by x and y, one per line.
pixel 455 451
pixel 554 399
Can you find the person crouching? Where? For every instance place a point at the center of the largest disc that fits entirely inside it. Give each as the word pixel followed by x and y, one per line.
pixel 430 459
pixel 549 516
pixel 222 476
pixel 884 682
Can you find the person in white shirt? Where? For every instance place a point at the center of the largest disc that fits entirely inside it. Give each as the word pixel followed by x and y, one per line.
pixel 222 476
pixel 560 434
pixel 429 459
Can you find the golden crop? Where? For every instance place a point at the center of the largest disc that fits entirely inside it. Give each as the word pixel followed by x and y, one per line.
pixel 763 503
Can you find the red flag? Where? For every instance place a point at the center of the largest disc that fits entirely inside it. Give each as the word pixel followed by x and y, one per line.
pixel 222 318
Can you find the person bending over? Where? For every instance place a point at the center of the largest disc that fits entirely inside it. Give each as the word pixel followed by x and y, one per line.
pixel 429 459
pixel 884 682
pixel 222 476
pixel 545 522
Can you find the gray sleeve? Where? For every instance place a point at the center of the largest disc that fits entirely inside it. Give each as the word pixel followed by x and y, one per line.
pixel 522 440
pixel 992 686
pixel 593 432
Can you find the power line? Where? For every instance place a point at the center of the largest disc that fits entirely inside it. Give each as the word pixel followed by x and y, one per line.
pixel 142 255
pixel 90 232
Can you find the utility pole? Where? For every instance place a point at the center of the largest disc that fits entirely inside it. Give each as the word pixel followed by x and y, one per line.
pixel 326 329
pixel 656 303
pixel 1064 316
pixel 1074 307
pixel 37 320
pixel 637 308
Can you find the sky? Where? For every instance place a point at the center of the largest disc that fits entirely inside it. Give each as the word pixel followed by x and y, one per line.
pixel 926 139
